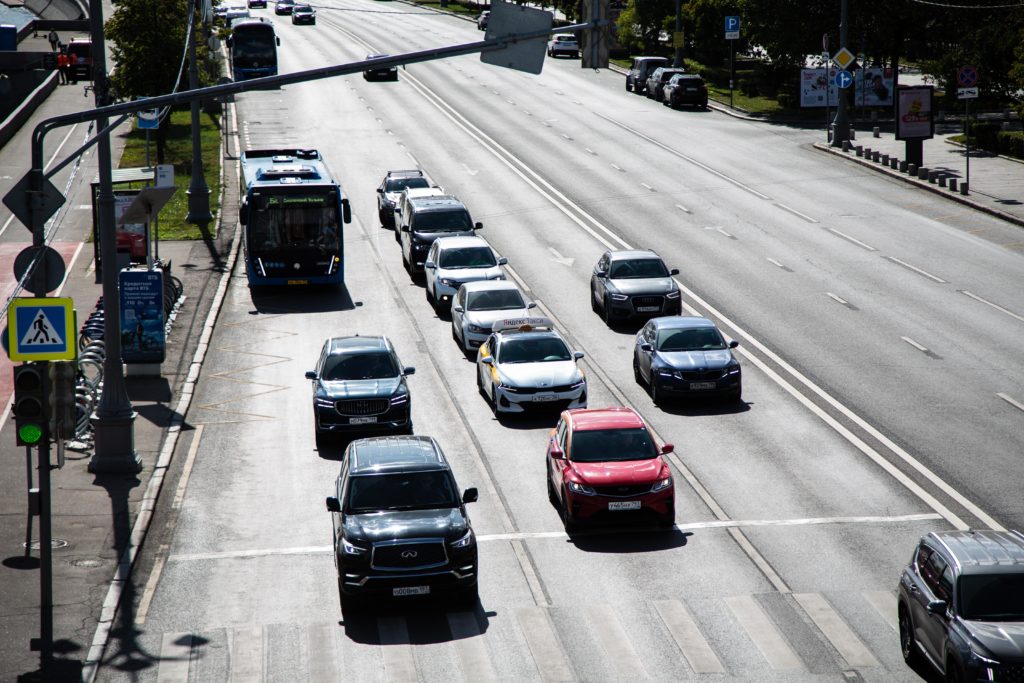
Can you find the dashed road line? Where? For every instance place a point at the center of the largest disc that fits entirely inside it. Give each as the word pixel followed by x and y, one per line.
pixel 772 261
pixel 764 633
pixel 917 270
pixel 989 303
pixel 795 212
pixel 849 646
pixel 838 299
pixel 617 167
pixel 850 238
pixel 919 347
pixel 683 208
pixel 1013 402
pixel 647 187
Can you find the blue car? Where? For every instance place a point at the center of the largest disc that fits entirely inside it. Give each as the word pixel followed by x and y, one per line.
pixel 686 357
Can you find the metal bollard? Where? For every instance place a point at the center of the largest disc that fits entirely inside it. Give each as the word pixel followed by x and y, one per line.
pixel 922 173
pixel 963 189
pixel 912 169
pixel 894 162
pixel 942 180
pixel 932 176
pixel 876 131
pixel 860 150
pixel 876 155
pixel 847 146
pixel 952 184
pixel 885 159
pixel 853 133
pixel 903 166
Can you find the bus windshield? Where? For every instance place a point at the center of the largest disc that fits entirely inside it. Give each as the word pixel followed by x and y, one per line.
pixel 300 221
pixel 254 45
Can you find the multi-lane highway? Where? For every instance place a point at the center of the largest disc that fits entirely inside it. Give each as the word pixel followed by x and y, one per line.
pixel 878 328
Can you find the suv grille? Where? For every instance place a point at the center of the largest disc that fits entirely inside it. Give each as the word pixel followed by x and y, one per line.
pixel 645 301
pixel 1012 673
pixel 404 555
pixel 362 406
pixel 627 491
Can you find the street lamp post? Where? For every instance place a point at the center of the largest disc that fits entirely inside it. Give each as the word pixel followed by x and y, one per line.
pixel 198 191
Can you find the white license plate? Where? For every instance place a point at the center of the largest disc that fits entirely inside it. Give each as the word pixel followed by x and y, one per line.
pixel 410 590
pixel 544 398
pixel 362 420
pixel 648 309
pixel 702 386
pixel 624 505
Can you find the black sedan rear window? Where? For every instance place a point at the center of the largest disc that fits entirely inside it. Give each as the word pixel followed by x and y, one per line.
pixel 612 445
pixel 401 491
pixel 360 365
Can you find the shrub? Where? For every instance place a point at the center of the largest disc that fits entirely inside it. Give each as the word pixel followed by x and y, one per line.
pixel 784 99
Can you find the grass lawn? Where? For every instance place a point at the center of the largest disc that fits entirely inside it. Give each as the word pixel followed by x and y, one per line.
pixel 179 153
pixel 451 7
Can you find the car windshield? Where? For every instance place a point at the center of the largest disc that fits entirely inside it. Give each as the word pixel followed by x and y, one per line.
pixel 536 350
pixel 468 257
pixel 495 300
pixel 399 184
pixel 359 365
pixel 612 445
pixel 700 339
pixel 401 491
pixel 991 597
pixel 443 221
pixel 632 269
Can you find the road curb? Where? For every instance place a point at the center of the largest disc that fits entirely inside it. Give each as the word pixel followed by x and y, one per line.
pixel 934 189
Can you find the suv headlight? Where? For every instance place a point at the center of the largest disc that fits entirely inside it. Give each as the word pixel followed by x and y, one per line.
pixel 661 484
pixel 399 399
pixel 581 382
pixel 673 295
pixel 732 370
pixel 617 297
pixel 464 542
pixel 477 328
pixel 447 282
pixel 351 548
pixel 324 402
pixel 577 487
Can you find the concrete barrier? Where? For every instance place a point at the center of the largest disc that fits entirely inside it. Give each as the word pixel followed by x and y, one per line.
pixel 876 131
pixel 933 176
pixel 876 155
pixel 942 180
pixel 894 162
pixel 847 146
pixel 885 159
pixel 903 166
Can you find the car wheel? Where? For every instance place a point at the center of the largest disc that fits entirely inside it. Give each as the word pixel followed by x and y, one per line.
pixel 350 604
pixel 668 521
pixel 468 599
pixel 480 383
pixel 430 297
pixel 494 401
pixel 636 372
pixel 652 388
pixel 908 644
pixel 568 521
pixel 737 396
pixel 552 496
pixel 606 312
pixel 593 303
pixel 953 673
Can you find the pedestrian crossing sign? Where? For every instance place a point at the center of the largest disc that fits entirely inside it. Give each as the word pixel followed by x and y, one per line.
pixel 41 329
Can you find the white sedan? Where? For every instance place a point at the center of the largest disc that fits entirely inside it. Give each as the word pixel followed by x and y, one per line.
pixel 478 305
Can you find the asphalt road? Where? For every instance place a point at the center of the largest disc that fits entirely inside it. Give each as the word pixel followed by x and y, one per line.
pixel 872 372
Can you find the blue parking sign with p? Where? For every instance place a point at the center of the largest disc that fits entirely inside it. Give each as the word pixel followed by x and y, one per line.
pixel 732 23
pixel 41 329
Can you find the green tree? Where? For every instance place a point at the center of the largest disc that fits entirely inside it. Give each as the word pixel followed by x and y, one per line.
pixel 642 21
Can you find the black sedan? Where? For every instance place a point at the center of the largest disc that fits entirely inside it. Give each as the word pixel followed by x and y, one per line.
pixel 284 6
pixel 633 283
pixel 360 386
pixel 677 357
pixel 384 73
pixel 303 14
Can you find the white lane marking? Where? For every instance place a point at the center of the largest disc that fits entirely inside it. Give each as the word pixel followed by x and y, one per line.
pixel 474 660
pixel 850 647
pixel 850 238
pixel 576 102
pixel 175 658
pixel 617 651
pixel 683 208
pixel 919 347
pixel 246 654
pixel 527 112
pixel 321 641
pixel 764 633
pixel 511 102
pixel 528 535
pixel 399 662
pixel 186 470
pixel 151 583
pixel 1016 404
pixel 689 639
pixel 917 270
pixel 566 137
pixel 380 120
pixel 590 151
pixel 545 123
pixel 469 170
pixel 837 298
pixel 494 92
pixel 410 155
pixel 548 655
pixel 884 603
pixel 617 167
pixel 564 260
pixel 685 156
pixel 722 231
pixel 989 303
pixel 647 187
pixel 774 262
pixel 795 212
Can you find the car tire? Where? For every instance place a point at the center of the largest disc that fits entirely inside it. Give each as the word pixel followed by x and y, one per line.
pixel 737 396
pixel 468 598
pixel 430 297
pixel 552 496
pixel 667 522
pixel 652 389
pixel 908 643
pixel 636 372
pixel 350 604
pixel 381 215
pixel 494 401
pixel 606 313
pixel 480 383
pixel 953 673
pixel 570 523
pixel 593 302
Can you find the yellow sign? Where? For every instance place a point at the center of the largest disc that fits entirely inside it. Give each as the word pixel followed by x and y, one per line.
pixel 678 39
pixel 844 58
pixel 41 329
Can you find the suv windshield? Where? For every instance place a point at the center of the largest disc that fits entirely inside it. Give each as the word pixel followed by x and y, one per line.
pixel 442 221
pixel 612 445
pixel 495 300
pixel 637 268
pixel 399 184
pixel 359 365
pixel 992 597
pixel 703 339
pixel 401 491
pixel 536 350
pixel 470 257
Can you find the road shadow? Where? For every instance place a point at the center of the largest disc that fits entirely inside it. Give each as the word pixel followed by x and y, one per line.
pixel 312 299
pixel 426 622
pixel 539 419
pixel 627 539
pixel 154 389
pixel 703 407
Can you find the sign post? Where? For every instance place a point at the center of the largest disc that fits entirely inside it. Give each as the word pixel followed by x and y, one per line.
pixel 732 32
pixel 967 79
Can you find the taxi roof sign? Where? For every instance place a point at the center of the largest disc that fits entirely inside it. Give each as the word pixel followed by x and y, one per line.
pixel 41 329
pixel 527 324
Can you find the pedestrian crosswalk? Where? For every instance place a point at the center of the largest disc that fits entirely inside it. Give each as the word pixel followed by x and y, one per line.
pixel 745 637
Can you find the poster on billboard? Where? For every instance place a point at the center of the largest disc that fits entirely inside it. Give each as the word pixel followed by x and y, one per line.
pixel 142 315
pixel 818 88
pixel 874 87
pixel 914 120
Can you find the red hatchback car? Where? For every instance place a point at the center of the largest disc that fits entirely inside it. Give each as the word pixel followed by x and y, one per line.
pixel 604 464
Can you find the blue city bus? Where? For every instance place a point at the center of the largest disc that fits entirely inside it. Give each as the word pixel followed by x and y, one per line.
pixel 293 212
pixel 253 44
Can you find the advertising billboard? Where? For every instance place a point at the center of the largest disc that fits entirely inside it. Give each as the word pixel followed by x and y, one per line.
pixel 914 112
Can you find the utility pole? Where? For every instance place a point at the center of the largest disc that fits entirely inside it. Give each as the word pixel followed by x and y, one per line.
pixel 198 192
pixel 841 125
pixel 114 420
pixel 676 38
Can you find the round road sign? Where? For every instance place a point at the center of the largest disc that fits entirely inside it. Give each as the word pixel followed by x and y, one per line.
pixel 967 77
pixel 55 268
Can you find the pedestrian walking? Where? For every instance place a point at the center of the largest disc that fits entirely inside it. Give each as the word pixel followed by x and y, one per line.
pixel 54 40
pixel 63 62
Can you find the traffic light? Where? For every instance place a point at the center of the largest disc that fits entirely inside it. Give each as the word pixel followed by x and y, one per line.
pixel 30 403
pixel 62 400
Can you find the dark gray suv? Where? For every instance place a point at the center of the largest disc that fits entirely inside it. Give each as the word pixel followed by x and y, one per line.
pixel 961 605
pixel 423 220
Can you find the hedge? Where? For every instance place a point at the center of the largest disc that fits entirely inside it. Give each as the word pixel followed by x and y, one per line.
pixel 990 136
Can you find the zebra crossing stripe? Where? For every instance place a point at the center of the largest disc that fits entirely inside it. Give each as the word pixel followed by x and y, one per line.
pixel 175 658
pixel 474 660
pixel 686 633
pixel 547 653
pixel 884 603
pixel 843 639
pixel 764 633
pixel 322 652
pixel 246 648
pixel 399 662
pixel 619 654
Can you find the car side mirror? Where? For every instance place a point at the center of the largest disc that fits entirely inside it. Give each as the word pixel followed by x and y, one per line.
pixel 487 360
pixel 380 190
pixel 601 273
pixel 430 265
pixel 409 370
pixel 470 495
pixel 310 374
pixel 557 453
pixel 478 226
pixel 278 38
pixel 502 261
pixel 733 344
pixel 457 308
pixel 346 211
pixel 532 304
pixel 645 346
pixel 577 355
pixel 936 607
pixel 405 228
pixel 674 271
pixel 333 504
pixel 667 448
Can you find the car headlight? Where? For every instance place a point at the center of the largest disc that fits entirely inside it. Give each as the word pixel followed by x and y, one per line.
pixel 351 548
pixel 498 277
pixel 464 542
pixel 732 370
pixel 664 372
pixel 581 382
pixel 447 282
pixel 577 487
pixel 324 402
pixel 673 295
pixel 618 297
pixel 399 399
pixel 661 484
pixel 477 328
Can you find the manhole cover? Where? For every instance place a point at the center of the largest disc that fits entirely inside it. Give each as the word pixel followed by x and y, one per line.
pixel 55 543
pixel 86 563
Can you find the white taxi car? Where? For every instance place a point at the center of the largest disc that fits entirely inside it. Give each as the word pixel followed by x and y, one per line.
pixel 526 364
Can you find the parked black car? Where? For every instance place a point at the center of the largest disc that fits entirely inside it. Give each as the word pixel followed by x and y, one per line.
pixel 685 89
pixel 633 283
pixel 657 80
pixel 961 605
pixel 400 527
pixel 359 385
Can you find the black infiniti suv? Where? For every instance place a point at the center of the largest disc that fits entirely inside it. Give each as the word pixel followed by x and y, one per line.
pixel 425 219
pixel 961 605
pixel 400 526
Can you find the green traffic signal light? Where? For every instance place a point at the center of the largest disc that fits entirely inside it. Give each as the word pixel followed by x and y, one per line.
pixel 30 434
pixel 29 408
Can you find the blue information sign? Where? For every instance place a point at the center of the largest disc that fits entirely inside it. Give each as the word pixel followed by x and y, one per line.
pixel 142 316
pixel 42 329
pixel 844 79
pixel 732 28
